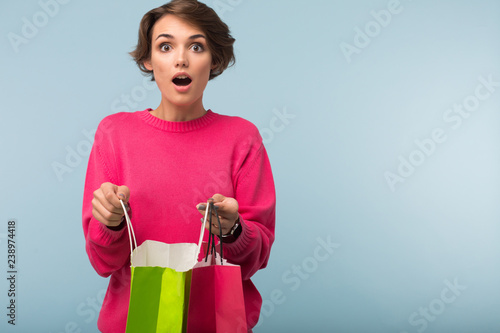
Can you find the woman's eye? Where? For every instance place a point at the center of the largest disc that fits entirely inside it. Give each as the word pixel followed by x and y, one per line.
pixel 197 48
pixel 165 47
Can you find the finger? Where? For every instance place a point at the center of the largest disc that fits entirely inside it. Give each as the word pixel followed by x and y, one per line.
pixel 225 203
pixel 105 213
pixel 201 207
pixel 228 209
pixel 217 211
pixel 104 216
pixel 123 193
pixel 110 194
pixel 226 220
pixel 102 198
pixel 226 225
pixel 102 220
pixel 207 225
pixel 215 228
pixel 218 198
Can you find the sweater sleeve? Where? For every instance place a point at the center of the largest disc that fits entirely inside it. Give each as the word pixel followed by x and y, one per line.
pixel 256 197
pixel 108 250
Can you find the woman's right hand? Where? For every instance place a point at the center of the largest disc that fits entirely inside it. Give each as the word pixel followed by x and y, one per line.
pixel 106 206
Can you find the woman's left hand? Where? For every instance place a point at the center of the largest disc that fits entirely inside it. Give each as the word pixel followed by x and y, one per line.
pixel 227 209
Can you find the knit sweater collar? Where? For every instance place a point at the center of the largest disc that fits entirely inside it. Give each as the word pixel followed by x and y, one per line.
pixel 177 126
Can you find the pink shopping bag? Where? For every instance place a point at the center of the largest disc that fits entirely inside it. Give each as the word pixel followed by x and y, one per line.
pixel 216 302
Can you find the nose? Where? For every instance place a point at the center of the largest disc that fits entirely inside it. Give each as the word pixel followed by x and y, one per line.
pixel 182 60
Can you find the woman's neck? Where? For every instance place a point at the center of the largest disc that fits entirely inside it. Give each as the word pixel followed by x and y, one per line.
pixel 170 112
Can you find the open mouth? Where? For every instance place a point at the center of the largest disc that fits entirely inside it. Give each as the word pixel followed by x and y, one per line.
pixel 182 80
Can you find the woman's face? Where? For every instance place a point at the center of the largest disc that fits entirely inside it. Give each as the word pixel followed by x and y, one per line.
pixel 180 60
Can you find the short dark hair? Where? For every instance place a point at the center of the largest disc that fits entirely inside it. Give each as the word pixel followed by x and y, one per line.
pixel 219 39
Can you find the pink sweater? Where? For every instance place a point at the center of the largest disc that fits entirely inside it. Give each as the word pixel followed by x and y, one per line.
pixel 170 167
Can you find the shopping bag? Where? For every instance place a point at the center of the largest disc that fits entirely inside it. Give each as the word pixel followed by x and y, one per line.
pixel 160 284
pixel 216 302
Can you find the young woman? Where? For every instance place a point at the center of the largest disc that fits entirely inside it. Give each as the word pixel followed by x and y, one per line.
pixel 167 162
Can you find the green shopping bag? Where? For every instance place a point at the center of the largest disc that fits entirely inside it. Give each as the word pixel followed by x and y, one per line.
pixel 160 284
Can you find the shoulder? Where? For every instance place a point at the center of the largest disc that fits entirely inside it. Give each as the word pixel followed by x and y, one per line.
pixel 116 126
pixel 116 120
pixel 240 129
pixel 121 121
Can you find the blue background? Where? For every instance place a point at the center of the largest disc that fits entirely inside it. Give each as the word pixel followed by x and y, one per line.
pixel 422 254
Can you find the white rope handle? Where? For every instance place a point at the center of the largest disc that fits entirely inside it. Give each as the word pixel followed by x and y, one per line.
pixel 130 229
pixel 202 233
pixel 131 234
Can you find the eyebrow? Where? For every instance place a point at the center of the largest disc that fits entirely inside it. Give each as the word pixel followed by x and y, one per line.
pixel 190 37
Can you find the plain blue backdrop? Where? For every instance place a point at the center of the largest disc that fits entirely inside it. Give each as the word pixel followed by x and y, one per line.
pixel 381 119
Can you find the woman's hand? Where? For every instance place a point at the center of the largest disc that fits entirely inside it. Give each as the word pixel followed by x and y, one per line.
pixel 106 206
pixel 227 209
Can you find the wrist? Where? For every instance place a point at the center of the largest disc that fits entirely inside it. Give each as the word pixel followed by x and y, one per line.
pixel 117 227
pixel 234 233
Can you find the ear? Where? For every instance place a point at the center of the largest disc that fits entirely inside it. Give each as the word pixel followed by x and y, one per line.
pixel 214 66
pixel 148 65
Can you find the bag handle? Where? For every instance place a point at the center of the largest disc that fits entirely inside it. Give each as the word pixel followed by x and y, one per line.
pixel 131 234
pixel 202 233
pixel 211 238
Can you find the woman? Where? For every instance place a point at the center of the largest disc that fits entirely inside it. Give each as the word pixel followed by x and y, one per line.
pixel 167 162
